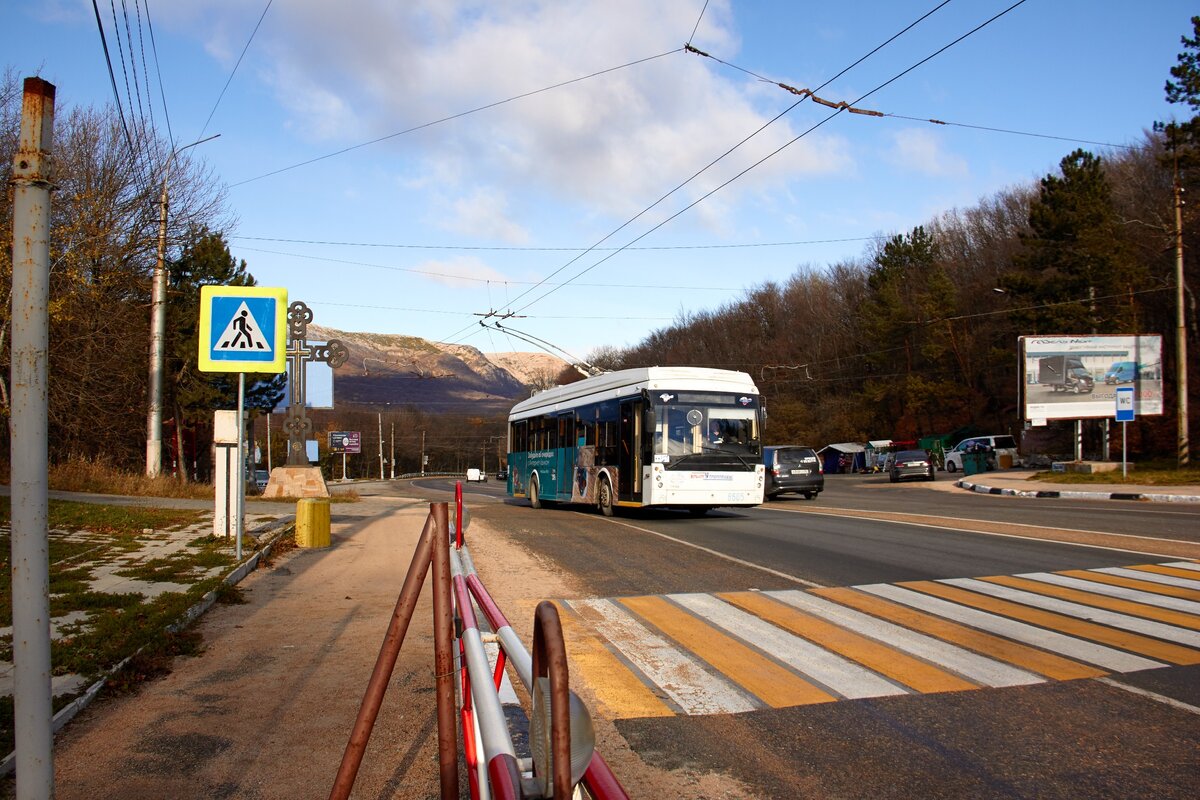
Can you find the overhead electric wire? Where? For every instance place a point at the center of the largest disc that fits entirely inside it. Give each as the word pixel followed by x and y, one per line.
pixel 137 8
pixel 158 71
pixel 113 78
pixel 696 27
pixel 713 163
pixel 453 117
pixel 235 69
pixel 737 245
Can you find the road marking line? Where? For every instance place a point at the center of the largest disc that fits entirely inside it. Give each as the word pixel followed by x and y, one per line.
pixel 1192 565
pixel 716 553
pixel 1182 619
pixel 1068 646
pixel 1151 577
pixel 974 667
pixel 1124 592
pixel 913 672
pixel 773 684
pixel 1147 646
pixel 690 686
pixel 845 677
pixel 1161 698
pixel 1132 583
pixel 1170 633
pixel 1161 569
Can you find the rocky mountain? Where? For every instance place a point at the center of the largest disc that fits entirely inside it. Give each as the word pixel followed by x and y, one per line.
pixel 392 370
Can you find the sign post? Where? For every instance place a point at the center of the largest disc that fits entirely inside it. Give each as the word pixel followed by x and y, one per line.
pixel 1125 415
pixel 242 329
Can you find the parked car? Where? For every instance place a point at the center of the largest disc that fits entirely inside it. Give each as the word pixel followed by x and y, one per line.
pixel 261 476
pixel 502 474
pixel 1121 372
pixel 1001 449
pixel 910 464
pixel 476 475
pixel 792 468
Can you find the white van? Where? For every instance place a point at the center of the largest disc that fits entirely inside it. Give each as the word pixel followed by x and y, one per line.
pixel 1003 452
pixel 476 475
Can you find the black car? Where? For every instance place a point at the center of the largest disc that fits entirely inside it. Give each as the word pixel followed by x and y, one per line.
pixel 502 474
pixel 791 468
pixel 910 464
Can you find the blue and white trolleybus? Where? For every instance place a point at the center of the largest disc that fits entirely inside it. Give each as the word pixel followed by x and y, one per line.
pixel 683 437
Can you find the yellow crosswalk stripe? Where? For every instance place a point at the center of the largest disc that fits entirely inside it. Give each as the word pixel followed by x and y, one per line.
pixel 879 657
pixel 1174 572
pixel 1132 642
pixel 1039 661
pixel 1134 608
pixel 773 684
pixel 1133 583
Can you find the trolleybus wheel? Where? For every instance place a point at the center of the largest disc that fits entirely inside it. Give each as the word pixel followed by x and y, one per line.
pixel 605 499
pixel 534 500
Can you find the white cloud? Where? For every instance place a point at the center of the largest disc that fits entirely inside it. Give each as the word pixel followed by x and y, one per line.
pixel 483 213
pixel 921 151
pixel 459 272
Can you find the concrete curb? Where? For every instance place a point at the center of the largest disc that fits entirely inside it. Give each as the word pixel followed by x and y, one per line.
pixel 1152 497
pixel 273 531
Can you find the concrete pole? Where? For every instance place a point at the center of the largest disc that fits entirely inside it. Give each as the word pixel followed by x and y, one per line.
pixel 1180 330
pixel 379 415
pixel 30 455
pixel 158 328
pixel 393 451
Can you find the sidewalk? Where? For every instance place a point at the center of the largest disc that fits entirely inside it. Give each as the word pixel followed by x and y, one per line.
pixel 1016 482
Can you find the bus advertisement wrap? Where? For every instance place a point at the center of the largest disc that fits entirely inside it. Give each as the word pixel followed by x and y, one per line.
pixel 1077 377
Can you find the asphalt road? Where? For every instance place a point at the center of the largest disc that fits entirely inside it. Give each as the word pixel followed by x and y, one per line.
pixel 660 585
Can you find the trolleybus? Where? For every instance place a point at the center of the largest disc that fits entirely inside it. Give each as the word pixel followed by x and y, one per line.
pixel 659 436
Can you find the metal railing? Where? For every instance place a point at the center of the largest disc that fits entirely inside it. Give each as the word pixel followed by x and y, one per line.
pixel 562 762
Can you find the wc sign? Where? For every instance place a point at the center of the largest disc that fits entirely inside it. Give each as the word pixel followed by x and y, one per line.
pixel 243 329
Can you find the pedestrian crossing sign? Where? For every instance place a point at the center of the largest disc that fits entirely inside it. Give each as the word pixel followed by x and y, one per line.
pixel 243 329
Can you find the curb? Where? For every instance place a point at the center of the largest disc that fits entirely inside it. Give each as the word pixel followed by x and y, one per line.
pixel 1069 495
pixel 272 531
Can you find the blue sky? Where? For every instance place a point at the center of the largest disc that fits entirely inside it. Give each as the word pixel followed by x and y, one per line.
pixel 421 232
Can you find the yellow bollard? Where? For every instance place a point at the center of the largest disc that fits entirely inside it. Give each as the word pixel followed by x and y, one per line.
pixel 312 522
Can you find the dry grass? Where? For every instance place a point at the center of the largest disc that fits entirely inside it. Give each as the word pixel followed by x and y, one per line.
pixel 99 477
pixel 1155 473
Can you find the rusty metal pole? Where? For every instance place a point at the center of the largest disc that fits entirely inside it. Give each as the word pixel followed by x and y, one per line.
pixel 443 652
pixel 550 661
pixel 377 686
pixel 31 182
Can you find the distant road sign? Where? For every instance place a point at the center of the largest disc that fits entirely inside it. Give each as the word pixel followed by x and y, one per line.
pixel 1125 404
pixel 243 329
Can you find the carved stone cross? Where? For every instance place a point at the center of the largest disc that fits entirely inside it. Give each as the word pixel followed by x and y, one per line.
pixel 299 353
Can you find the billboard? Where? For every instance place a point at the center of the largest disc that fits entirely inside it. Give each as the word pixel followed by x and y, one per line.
pixel 345 442
pixel 1077 377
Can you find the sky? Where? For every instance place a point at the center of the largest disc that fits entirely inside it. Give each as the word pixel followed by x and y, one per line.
pixel 412 167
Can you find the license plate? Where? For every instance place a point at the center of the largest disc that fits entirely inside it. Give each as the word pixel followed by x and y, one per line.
pixel 801 472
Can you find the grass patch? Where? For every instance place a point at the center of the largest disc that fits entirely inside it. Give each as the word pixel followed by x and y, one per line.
pixel 100 477
pixel 110 520
pixel 1154 473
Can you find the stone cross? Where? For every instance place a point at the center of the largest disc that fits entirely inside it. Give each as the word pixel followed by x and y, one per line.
pixel 299 353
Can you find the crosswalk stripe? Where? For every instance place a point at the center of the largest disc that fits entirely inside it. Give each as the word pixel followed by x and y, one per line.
pixel 1132 583
pixel 844 677
pixel 677 675
pixel 1144 645
pixel 1166 569
pixel 974 667
pixel 1124 592
pixel 1069 646
pixel 770 682
pixel 1181 619
pixel 1001 649
pixel 1192 565
pixel 621 690
pixel 898 666
pixel 1145 574
pixel 1126 622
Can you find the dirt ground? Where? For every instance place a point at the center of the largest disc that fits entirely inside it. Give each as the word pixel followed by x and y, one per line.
pixel 266 710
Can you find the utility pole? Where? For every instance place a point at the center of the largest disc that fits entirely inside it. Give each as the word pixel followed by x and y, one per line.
pixel 380 415
pixel 422 454
pixel 31 182
pixel 393 451
pixel 158 326
pixel 1180 327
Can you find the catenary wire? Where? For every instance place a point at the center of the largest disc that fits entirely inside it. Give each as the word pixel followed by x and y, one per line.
pixel 584 248
pixel 235 68
pixel 162 90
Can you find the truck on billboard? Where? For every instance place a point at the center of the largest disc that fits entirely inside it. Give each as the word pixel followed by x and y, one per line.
pixel 1076 377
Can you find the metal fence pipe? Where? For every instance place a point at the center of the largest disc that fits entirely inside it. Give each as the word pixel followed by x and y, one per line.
pixel 550 661
pixel 522 663
pixel 505 778
pixel 443 654
pixel 384 664
pixel 600 781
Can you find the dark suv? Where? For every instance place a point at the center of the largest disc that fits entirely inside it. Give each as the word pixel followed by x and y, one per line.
pixel 791 468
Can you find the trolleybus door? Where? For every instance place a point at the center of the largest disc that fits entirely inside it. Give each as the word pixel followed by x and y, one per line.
pixel 629 457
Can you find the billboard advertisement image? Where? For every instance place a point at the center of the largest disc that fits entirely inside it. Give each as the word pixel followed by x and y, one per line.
pixel 1077 377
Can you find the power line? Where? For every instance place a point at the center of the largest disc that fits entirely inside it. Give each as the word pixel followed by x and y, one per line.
pixel 451 117
pixel 112 77
pixel 158 70
pixel 737 245
pixel 788 144
pixel 235 69
pixel 696 27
